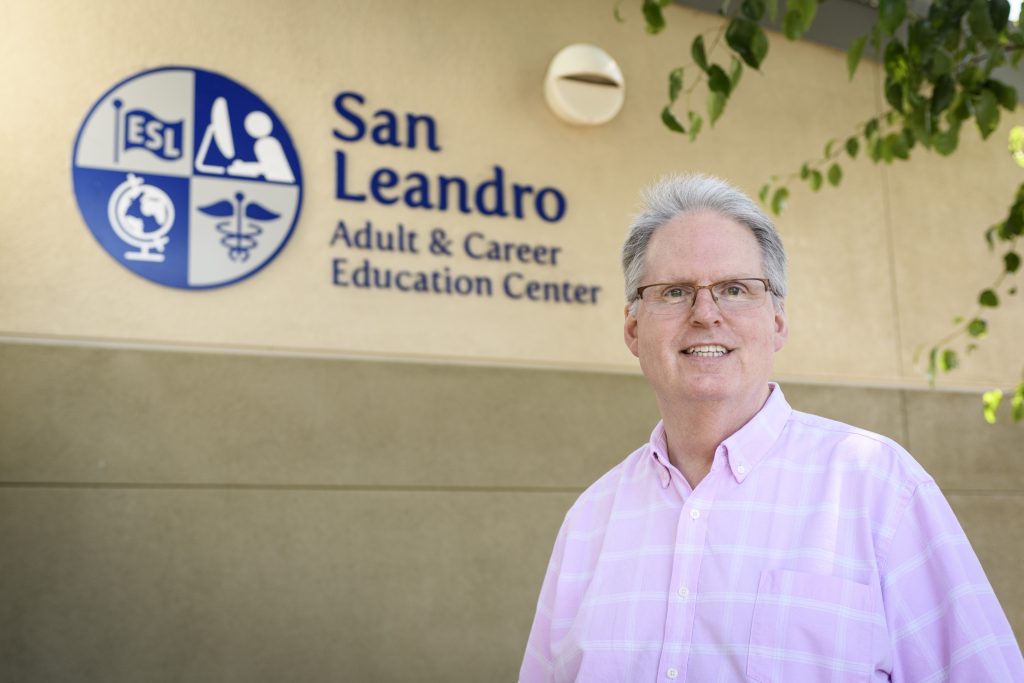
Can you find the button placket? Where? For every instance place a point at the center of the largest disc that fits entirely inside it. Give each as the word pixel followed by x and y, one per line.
pixel 691 535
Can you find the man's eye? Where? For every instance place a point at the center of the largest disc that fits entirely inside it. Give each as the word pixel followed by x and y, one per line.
pixel 673 294
pixel 733 289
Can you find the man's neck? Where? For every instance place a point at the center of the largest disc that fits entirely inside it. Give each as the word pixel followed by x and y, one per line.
pixel 694 431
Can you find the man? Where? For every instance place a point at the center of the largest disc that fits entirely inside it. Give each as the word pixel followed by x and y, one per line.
pixel 747 541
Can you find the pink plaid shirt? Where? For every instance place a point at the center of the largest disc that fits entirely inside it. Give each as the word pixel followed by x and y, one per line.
pixel 812 551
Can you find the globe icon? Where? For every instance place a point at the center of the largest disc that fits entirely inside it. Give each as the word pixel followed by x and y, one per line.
pixel 141 215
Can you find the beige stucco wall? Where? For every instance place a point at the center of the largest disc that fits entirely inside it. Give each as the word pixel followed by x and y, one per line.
pixel 865 258
pixel 282 479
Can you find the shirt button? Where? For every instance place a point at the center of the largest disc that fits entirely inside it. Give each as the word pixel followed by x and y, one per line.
pixel 741 469
pixel 672 673
pixel 684 592
pixel 694 514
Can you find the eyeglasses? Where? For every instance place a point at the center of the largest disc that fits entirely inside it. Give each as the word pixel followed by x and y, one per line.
pixel 731 295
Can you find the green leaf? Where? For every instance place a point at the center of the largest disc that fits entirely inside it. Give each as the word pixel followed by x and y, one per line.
pixel 1005 94
pixel 895 146
pixel 933 364
pixel 653 17
pixel 941 64
pixel 895 60
pixel 828 148
pixel 894 93
pixel 852 147
pixel 808 10
pixel 700 57
pixel 793 24
pixel 988 298
pixel 891 14
pixel 970 77
pixel 675 84
pixel 718 81
pixel 999 13
pixel 617 12
pixel 670 120
pixel 990 401
pixel 695 123
pixel 779 200
pixel 805 171
pixel 773 10
pixel 835 175
pixel 986 112
pixel 748 41
pixel 948 360
pixel 735 72
pixel 752 9
pixel 1011 260
pixel 854 53
pixel 763 193
pixel 875 149
pixel 1018 403
pixel 977 328
pixel 945 142
pixel 815 180
pixel 716 105
pixel 870 128
pixel 942 94
pixel 980 22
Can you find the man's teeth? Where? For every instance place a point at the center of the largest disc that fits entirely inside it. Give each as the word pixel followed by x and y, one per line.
pixel 706 351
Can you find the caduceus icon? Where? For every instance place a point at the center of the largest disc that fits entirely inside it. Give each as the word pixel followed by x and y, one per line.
pixel 240 229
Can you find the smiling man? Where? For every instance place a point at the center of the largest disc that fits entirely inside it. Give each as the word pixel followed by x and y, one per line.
pixel 747 541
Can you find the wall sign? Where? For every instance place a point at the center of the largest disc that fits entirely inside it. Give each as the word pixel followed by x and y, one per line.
pixel 448 258
pixel 187 178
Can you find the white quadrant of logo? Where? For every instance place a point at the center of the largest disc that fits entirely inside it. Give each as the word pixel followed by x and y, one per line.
pixel 187 178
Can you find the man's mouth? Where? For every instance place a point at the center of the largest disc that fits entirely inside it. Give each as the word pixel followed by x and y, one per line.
pixel 706 351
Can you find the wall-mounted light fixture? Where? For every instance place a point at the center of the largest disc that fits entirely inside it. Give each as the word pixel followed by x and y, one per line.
pixel 584 85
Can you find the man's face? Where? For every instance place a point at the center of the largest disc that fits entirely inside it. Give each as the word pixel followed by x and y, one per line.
pixel 703 248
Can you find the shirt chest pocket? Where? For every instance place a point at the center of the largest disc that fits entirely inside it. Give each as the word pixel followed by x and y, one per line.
pixel 810 627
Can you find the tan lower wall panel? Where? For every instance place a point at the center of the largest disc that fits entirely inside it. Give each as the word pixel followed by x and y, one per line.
pixel 72 414
pixel 249 586
pixel 992 523
pixel 959 448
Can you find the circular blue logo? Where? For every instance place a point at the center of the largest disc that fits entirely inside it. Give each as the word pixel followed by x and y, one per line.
pixel 187 178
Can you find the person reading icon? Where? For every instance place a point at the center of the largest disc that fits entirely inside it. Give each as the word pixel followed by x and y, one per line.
pixel 271 162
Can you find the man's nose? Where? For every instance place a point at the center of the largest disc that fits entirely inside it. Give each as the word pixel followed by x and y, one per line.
pixel 704 310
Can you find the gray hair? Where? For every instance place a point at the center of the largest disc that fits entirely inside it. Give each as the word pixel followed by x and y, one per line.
pixel 680 194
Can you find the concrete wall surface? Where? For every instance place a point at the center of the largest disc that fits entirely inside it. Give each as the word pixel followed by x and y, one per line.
pixel 325 520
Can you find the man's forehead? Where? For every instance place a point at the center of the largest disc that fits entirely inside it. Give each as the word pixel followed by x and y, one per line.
pixel 701 245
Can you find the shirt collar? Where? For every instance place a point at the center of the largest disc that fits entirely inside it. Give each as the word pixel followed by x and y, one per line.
pixel 748 446
pixel 745 449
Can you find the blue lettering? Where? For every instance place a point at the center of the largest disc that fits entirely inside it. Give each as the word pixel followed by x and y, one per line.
pixel 382 179
pixel 340 187
pixel 559 204
pixel 350 116
pixel 411 120
pixel 386 132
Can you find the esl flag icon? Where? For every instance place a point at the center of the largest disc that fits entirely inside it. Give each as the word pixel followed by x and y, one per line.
pixel 187 178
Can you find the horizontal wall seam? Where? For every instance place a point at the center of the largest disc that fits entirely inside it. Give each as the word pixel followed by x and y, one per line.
pixel 152 486
pixel 369 488
pixel 628 369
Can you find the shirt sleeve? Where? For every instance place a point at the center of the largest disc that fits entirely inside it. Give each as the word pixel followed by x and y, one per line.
pixel 538 659
pixel 944 621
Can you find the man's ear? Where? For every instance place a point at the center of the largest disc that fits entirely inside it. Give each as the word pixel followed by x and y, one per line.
pixel 629 332
pixel 781 327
